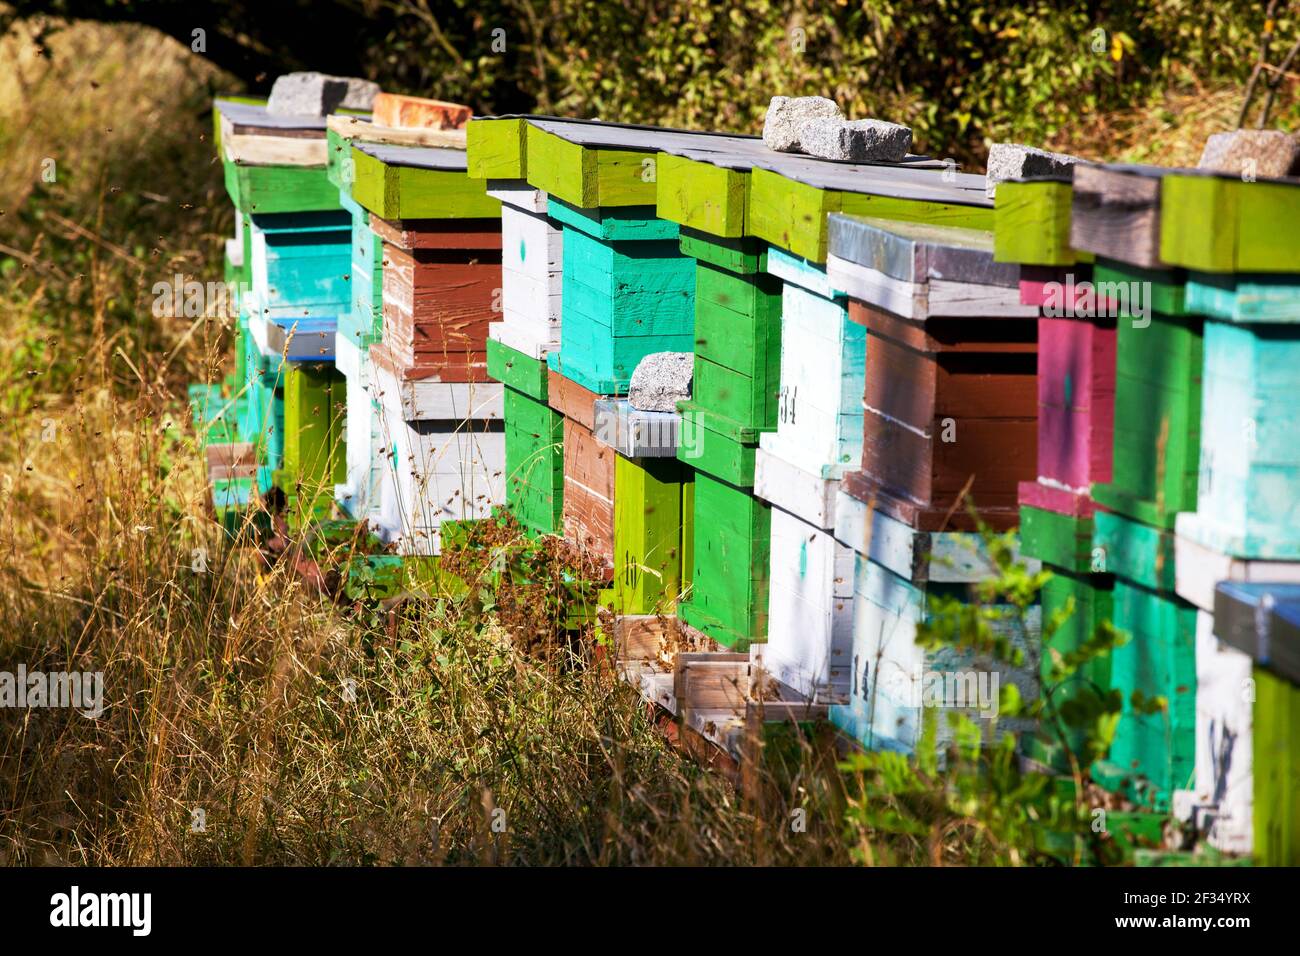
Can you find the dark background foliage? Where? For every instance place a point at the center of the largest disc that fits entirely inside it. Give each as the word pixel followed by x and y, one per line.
pixel 962 74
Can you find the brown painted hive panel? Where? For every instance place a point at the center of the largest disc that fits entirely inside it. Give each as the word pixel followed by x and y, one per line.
pixel 588 509
pixel 437 306
pixel 946 403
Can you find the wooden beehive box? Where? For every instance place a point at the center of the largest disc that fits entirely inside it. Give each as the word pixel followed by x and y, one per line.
pixel 532 273
pixel 653 496
pixel 1157 427
pixel 819 406
pixel 732 563
pixel 1247 501
pixel 1078 588
pixel 651 519
pixel 534 440
pixel 441 284
pixel 358 493
pixel 1276 765
pixel 1220 795
pixel 272 163
pixel 261 418
pixel 315 408
pixel 892 677
pixel 1076 412
pixel 1153 753
pixel 810 609
pixel 627 292
pixel 737 345
pixel 950 403
pixel 446 456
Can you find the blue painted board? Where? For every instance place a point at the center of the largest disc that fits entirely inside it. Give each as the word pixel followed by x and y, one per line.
pixel 614 223
pixel 301 262
pixel 1244 297
pixel 1248 484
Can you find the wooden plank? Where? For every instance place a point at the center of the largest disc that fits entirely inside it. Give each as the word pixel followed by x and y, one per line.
pixel 648 528
pixel 713 453
pixel 516 370
pixel 1033 224
pixel 585 176
pixel 416 112
pixel 741 256
pixel 1140 552
pixel 1116 213
pixel 728 597
pixel 571 400
pixel 709 198
pixel 588 500
pixel 1276 765
pixel 496 148
pixel 275 189
pixel 792 214
pixel 403 190
pixel 1220 224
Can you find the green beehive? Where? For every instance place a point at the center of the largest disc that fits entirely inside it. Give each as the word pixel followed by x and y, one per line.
pixel 1064 544
pixel 1157 421
pixel 315 406
pixel 534 440
pixel 650 520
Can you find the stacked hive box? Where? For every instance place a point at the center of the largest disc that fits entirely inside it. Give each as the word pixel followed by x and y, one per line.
pixel 440 417
pixel 797 469
pixel 653 498
pixel 791 198
pixel 529 325
pixel 704 186
pixel 1243 524
pixel 626 292
pixel 948 408
pixel 296 261
pixel 1076 407
pixel 1154 446
pixel 360 326
pixel 1247 788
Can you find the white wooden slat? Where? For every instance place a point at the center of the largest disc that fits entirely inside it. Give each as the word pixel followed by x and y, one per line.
pixel 531 244
pixel 421 400
pixel 787 485
pixel 1221 802
pixel 517 194
pixel 1198 569
pixel 810 609
pixel 523 337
